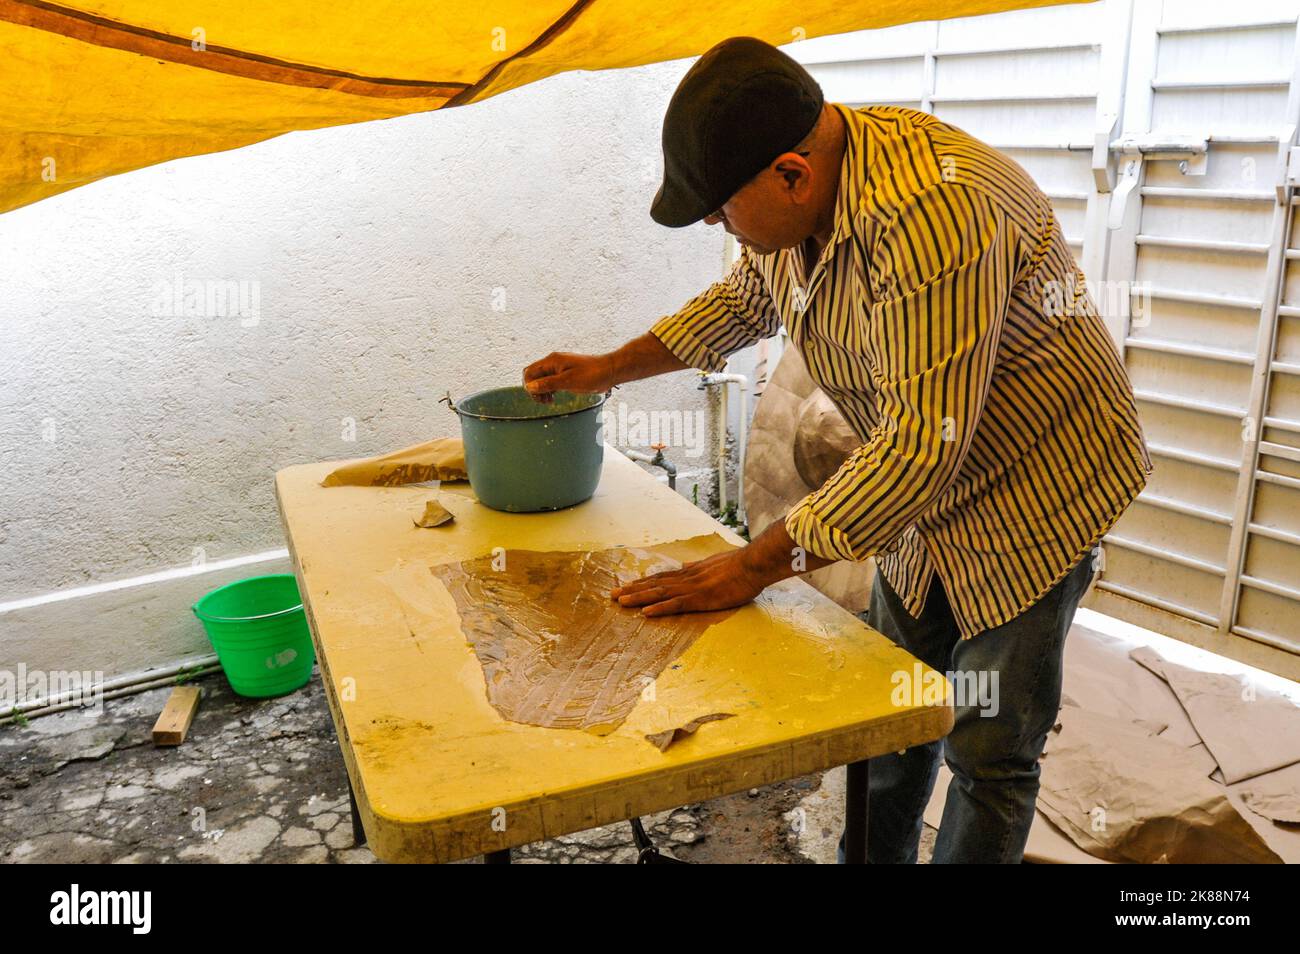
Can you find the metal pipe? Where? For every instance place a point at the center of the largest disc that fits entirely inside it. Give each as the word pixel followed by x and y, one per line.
pixel 1191 457
pixel 1189 351
pixel 1192 563
pixel 1201 245
pixel 112 688
pixel 1187 404
pixel 722 380
pixel 724 414
pixel 657 460
pixel 131 690
pixel 1140 596
pixel 1196 298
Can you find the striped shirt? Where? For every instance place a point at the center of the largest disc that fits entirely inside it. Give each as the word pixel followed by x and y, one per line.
pixel 949 322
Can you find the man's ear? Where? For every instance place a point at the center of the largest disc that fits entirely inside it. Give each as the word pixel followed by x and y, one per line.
pixel 792 168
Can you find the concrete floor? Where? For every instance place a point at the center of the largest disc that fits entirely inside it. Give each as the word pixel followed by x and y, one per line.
pixel 264 781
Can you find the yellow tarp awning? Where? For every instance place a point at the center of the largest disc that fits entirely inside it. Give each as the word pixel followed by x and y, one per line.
pixel 113 85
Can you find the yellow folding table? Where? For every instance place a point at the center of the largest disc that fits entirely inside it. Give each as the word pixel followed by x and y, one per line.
pixel 437 774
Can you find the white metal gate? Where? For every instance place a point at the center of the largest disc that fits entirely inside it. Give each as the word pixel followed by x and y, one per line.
pixel 1162 130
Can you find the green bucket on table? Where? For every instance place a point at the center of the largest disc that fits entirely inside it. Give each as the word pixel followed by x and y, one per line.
pixel 259 631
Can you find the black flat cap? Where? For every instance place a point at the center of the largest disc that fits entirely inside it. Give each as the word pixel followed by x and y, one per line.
pixel 741 105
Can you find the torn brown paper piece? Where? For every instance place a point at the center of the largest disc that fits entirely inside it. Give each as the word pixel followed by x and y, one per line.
pixel 556 651
pixel 1249 730
pixel 435 515
pixel 441 459
pixel 1282 838
pixel 1124 795
pixel 664 740
pixel 1275 796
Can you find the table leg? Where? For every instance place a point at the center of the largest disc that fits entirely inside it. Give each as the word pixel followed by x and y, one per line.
pixel 855 813
pixel 501 857
pixel 358 830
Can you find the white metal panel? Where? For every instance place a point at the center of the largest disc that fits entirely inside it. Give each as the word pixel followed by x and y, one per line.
pixel 1026 81
pixel 1211 340
pixel 1264 602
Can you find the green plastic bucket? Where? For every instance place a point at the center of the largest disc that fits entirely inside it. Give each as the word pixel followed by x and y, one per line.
pixel 259 631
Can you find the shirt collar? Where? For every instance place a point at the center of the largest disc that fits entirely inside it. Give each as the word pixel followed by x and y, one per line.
pixel 849 195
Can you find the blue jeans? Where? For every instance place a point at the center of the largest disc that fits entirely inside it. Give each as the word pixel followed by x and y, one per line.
pixel 994 760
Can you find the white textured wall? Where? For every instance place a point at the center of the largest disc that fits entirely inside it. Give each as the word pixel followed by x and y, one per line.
pixel 375 249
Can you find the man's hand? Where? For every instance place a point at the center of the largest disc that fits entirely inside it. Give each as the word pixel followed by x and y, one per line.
pixel 723 580
pixel 717 582
pixel 641 357
pixel 559 371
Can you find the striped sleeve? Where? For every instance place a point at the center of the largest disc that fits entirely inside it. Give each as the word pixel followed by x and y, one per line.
pixel 944 270
pixel 730 314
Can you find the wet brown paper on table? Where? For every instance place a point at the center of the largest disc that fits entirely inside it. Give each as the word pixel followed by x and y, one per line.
pixel 556 651
pixel 440 459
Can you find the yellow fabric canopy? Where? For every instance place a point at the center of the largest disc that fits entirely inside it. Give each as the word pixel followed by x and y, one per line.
pixel 113 85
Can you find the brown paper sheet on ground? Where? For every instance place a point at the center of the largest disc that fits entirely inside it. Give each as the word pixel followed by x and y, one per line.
pixel 1158 803
pixel 1247 737
pixel 1046 846
pixel 440 459
pixel 556 651
pixel 1100 677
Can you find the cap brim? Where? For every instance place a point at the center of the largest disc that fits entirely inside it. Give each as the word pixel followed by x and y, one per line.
pixel 672 209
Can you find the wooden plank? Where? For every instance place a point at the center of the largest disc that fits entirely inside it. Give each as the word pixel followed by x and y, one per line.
pixel 174 722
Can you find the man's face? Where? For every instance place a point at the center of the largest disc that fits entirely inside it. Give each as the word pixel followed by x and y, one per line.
pixel 769 212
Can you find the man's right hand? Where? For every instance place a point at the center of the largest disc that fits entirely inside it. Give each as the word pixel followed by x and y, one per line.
pixel 641 357
pixel 560 371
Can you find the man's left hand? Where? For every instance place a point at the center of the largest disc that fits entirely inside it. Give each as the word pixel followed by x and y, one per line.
pixel 721 581
pixel 714 583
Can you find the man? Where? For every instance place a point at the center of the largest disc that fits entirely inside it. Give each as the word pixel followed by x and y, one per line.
pixel 925 280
